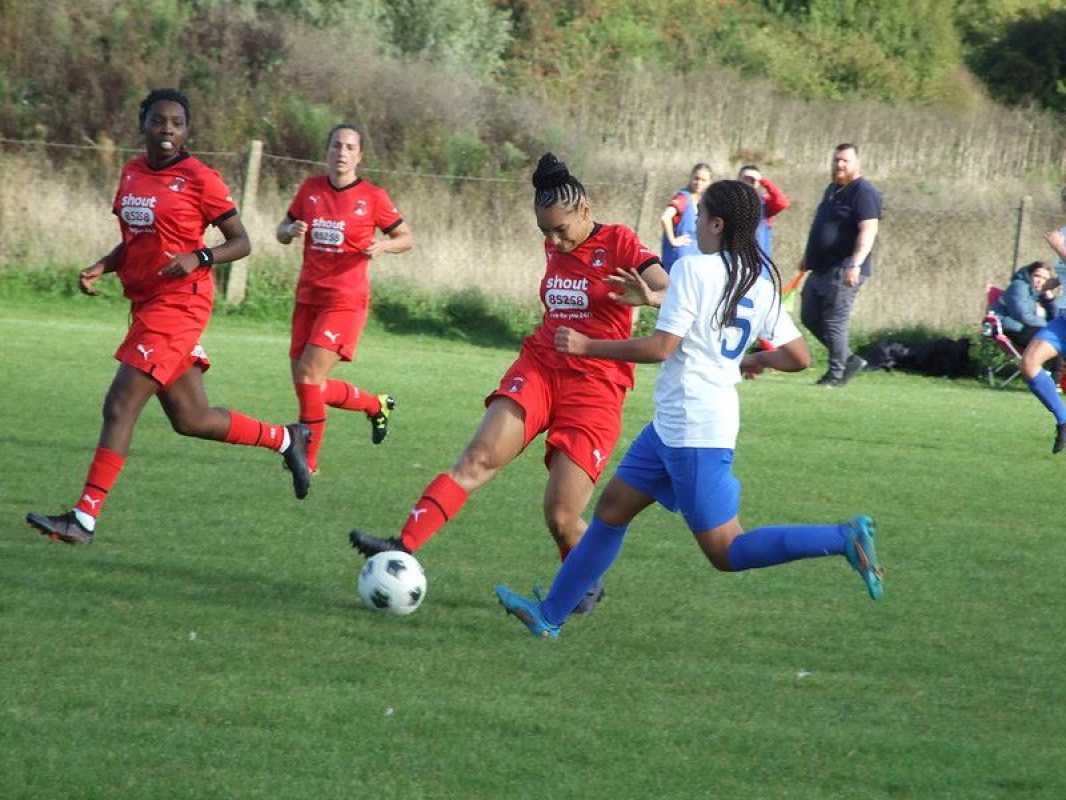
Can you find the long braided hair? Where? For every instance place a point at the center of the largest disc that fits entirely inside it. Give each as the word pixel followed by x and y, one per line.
pixel 738 206
pixel 553 183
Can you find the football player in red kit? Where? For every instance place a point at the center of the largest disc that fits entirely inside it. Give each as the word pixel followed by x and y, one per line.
pixel 337 214
pixel 165 200
pixel 578 402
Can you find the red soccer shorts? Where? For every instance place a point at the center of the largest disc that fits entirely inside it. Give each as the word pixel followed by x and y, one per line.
pixel 582 414
pixel 164 336
pixel 328 327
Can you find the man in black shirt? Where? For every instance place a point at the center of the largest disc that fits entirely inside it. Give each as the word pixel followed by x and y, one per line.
pixel 838 257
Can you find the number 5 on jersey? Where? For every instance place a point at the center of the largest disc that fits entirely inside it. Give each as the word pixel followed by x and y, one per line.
pixel 739 324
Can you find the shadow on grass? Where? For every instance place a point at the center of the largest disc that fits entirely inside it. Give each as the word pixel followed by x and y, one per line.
pixel 103 575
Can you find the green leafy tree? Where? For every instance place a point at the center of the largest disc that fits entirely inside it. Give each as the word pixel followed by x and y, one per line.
pixel 1026 62
pixel 472 35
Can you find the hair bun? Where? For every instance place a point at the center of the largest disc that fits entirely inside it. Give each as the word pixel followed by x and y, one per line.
pixel 550 173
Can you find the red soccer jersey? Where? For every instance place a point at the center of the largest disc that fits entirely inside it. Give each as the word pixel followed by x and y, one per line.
pixel 574 294
pixel 340 224
pixel 161 213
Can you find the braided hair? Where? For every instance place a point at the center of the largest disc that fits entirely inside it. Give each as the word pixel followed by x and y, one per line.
pixel 553 183
pixel 738 206
pixel 154 96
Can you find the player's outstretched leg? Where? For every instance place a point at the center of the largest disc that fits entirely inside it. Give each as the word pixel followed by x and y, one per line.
pixel 528 612
pixel 61 528
pixel 370 545
pixel 379 422
pixel 860 548
pixel 782 544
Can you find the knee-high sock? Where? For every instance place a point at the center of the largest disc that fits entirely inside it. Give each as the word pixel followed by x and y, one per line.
pixel 1044 389
pixel 103 472
pixel 779 544
pixel 440 501
pixel 339 394
pixel 313 415
pixel 585 565
pixel 256 433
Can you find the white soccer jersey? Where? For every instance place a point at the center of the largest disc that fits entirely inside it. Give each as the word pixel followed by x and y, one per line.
pixel 695 396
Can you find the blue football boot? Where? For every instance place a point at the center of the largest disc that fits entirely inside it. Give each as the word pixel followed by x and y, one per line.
pixel 528 611
pixel 861 552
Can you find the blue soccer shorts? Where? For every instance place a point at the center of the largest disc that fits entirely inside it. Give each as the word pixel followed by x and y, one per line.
pixel 696 481
pixel 1054 333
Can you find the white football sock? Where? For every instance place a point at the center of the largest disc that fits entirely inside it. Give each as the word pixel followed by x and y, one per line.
pixel 87 521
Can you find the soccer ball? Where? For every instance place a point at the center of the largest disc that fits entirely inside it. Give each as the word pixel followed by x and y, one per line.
pixel 393 582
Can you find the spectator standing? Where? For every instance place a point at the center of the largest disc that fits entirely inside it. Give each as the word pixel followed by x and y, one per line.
pixel 773 202
pixel 679 219
pixel 838 256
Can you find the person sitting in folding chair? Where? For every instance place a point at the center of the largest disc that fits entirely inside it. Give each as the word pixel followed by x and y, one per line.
pixel 1028 303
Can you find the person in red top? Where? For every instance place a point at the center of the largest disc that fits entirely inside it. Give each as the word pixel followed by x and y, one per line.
pixel 165 200
pixel 578 402
pixel 774 201
pixel 337 215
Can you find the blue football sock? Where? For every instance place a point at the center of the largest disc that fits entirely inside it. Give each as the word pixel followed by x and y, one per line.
pixel 779 544
pixel 585 565
pixel 1044 389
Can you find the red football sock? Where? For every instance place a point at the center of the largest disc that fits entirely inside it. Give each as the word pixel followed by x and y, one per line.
pixel 313 415
pixel 103 472
pixel 440 501
pixel 254 432
pixel 339 394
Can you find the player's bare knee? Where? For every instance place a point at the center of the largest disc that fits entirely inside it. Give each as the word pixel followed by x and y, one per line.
pixel 476 465
pixel 563 524
pixel 715 546
pixel 1030 366
pixel 185 424
pixel 719 560
pixel 117 409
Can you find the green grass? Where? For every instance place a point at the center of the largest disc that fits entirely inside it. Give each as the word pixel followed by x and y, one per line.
pixel 211 644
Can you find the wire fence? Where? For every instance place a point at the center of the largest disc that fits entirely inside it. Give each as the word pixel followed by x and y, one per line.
pixel 937 249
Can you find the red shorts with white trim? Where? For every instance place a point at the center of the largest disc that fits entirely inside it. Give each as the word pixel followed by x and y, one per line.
pixel 164 336
pixel 581 414
pixel 328 327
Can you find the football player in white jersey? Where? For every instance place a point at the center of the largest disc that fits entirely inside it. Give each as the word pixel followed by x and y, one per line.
pixel 716 302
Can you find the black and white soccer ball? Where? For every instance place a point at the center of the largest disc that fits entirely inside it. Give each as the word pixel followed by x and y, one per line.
pixel 393 582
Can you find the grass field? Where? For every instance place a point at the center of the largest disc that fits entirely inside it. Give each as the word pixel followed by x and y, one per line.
pixel 210 644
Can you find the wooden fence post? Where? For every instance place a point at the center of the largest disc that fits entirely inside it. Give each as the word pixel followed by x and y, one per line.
pixel 645 202
pixel 237 282
pixel 1024 210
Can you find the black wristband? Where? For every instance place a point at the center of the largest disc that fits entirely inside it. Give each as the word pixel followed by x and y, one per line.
pixel 205 256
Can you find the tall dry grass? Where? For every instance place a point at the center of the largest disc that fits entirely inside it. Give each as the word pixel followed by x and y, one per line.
pixel 941 239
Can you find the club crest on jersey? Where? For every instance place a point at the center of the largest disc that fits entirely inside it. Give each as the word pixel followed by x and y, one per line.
pixel 599 257
pixel 566 294
pixel 517 382
pixel 177 185
pixel 137 211
pixel 360 208
pixel 327 232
